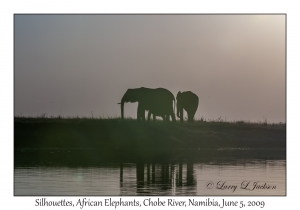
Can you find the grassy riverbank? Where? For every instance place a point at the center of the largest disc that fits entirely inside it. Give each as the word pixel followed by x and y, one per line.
pixel 130 134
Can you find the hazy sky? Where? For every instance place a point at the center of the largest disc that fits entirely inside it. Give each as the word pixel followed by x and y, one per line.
pixel 73 65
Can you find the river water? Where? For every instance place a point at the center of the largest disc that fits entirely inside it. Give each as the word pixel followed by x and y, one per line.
pixel 230 175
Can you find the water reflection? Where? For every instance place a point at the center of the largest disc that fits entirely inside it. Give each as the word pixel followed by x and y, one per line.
pixel 121 175
pixel 181 178
pixel 162 175
pixel 149 177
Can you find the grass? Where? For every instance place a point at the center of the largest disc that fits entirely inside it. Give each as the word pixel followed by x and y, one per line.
pixel 73 140
pixel 75 132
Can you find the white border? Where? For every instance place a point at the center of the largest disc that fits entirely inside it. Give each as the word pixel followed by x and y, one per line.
pixel 8 8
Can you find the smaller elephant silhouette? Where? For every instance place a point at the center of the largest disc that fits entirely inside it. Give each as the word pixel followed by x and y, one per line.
pixel 154 115
pixel 187 101
pixel 163 113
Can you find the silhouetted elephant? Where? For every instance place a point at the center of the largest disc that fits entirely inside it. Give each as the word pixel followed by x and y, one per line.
pixel 164 116
pixel 155 110
pixel 162 105
pixel 189 102
pixel 159 101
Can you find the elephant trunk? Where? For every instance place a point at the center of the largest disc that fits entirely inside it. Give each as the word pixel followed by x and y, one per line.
pixel 122 108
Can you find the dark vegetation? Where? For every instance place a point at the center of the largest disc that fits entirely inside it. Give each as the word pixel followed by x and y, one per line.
pixel 117 134
pixel 71 138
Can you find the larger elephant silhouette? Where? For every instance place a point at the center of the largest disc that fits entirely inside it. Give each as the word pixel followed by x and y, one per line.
pixel 159 101
pixel 187 101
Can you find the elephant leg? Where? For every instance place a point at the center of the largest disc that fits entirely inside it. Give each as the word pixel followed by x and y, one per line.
pixel 181 115
pixel 154 117
pixel 140 113
pixel 149 115
pixel 173 117
pixel 191 115
pixel 143 114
